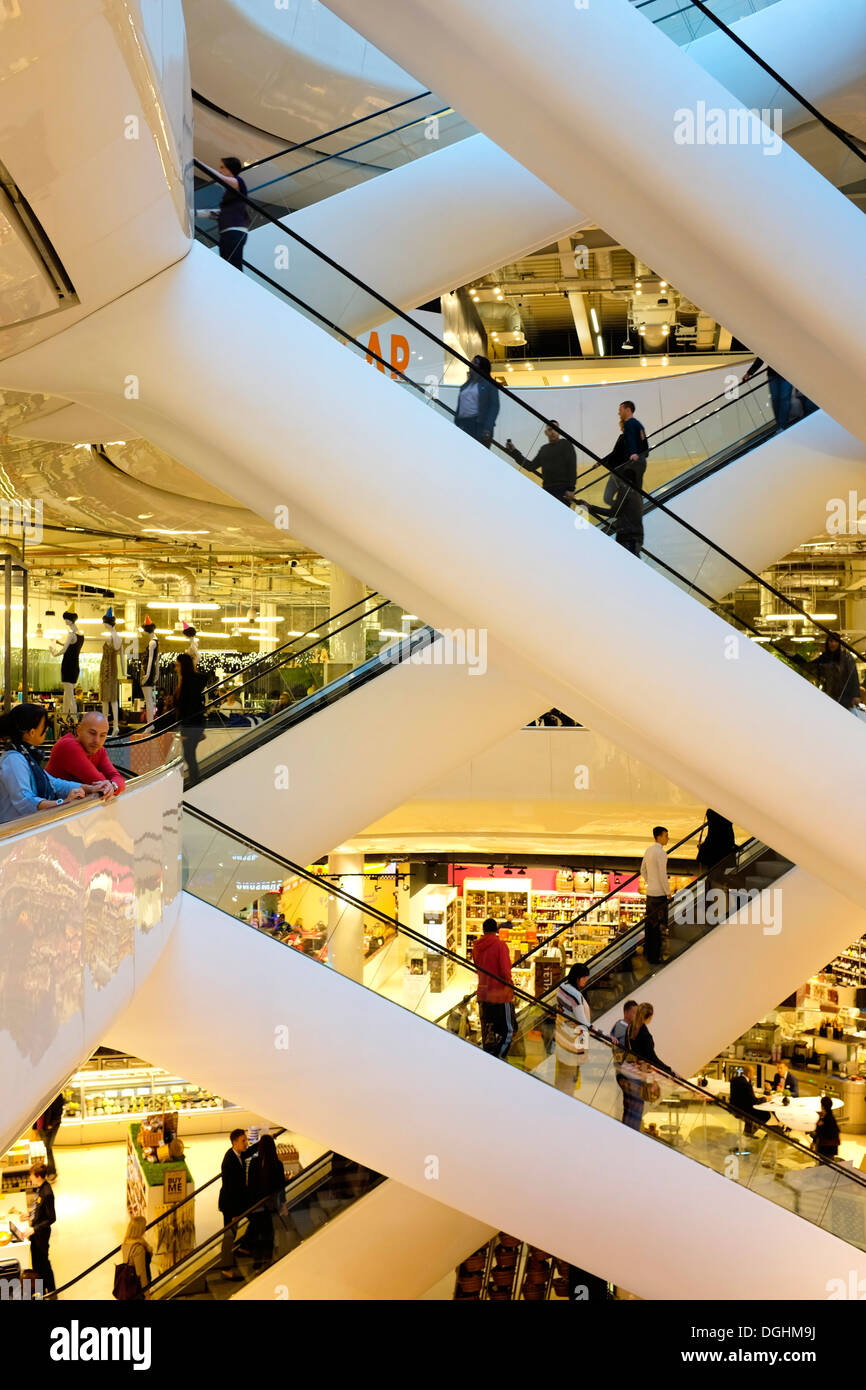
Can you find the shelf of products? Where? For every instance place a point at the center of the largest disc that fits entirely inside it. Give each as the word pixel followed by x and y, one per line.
pixel 16 1164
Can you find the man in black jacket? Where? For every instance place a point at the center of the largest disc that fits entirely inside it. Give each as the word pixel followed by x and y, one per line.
pixel 233 1198
pixel 48 1126
pixel 41 1220
pixel 743 1098
pixel 555 461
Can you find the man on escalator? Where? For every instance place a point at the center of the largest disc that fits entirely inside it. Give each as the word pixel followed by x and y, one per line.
pixel 654 872
pixel 836 671
pixel 555 462
pixel 492 960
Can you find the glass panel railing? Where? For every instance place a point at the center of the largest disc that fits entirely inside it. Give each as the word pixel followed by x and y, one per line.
pixel 267 1232
pixel 785 112
pixel 187 1243
pixel 280 688
pixel 294 182
pixel 697 444
pixel 517 434
pixel 683 23
pixel 753 1152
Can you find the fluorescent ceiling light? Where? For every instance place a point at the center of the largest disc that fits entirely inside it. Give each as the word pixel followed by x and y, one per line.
pixel 167 531
pixel 594 316
pixel 187 607
pixel 600 345
pixel 822 617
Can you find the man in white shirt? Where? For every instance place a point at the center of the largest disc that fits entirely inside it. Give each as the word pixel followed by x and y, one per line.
pixel 654 872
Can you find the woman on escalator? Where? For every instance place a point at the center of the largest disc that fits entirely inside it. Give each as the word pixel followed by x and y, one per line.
pixel 716 847
pixel 233 214
pixel 188 704
pixel 635 1077
pixel 266 1183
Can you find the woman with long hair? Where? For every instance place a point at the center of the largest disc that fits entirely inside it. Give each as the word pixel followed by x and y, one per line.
pixel 135 1251
pixel 633 1076
pixel 188 704
pixel 825 1136
pixel 25 786
pixel 266 1183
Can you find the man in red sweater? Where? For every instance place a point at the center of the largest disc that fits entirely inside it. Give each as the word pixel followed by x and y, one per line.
pixel 81 757
pixel 492 959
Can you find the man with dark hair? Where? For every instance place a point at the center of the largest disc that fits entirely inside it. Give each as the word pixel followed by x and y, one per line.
pixel 42 1219
pixel 556 462
pixel 492 959
pixel 48 1126
pixel 232 1198
pixel 654 872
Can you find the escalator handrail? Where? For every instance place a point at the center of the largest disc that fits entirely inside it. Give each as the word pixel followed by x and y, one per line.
pixel 825 121
pixel 275 725
pixel 265 657
pixel 316 139
pixel 436 948
pixel 350 149
pixel 212 703
pixel 318 1171
pixel 164 1216
pixel 679 521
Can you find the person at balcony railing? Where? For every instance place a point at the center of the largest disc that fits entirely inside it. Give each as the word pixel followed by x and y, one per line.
pixel 492 959
pixel 556 462
pixel 25 786
pixel 572 1025
pixel 478 402
pixel 80 756
pixel 233 214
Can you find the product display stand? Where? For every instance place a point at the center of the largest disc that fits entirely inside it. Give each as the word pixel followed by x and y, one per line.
pixel 152 1189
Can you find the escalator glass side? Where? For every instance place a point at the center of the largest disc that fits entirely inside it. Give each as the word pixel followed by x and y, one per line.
pixel 551 1043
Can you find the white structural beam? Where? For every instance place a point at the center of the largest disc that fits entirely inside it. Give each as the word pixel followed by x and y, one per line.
pixel 576 300
pixel 733 225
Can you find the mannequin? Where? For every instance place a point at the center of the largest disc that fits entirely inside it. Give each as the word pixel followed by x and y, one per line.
pixel 150 669
pixel 192 649
pixel 109 691
pixel 69 665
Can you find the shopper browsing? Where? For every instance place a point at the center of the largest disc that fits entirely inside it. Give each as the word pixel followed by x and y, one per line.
pixel 25 786
pixel 42 1218
pixel 233 1198
pixel 80 756
pixel 556 462
pixel 654 872
pixel 492 960
pixel 47 1127
pixel 572 1028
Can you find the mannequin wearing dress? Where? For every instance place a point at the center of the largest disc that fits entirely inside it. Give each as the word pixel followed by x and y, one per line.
pixel 109 684
pixel 69 663
pixel 150 670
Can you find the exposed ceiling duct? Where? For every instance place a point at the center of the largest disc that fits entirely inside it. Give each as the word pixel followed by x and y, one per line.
pixel 158 574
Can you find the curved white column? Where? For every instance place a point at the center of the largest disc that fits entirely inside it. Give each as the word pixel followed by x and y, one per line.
pixel 391 490
pixel 446 1122
pixel 88 899
pixel 732 227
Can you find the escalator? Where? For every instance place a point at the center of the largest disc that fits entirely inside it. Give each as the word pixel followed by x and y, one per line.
pixel 737 196
pixel 450 566
pixel 776 1198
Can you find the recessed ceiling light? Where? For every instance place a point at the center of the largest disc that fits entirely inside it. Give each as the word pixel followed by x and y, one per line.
pixel 73 499
pixel 145 516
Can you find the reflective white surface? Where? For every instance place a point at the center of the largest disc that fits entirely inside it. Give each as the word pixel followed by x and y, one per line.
pixel 96 131
pixel 87 901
